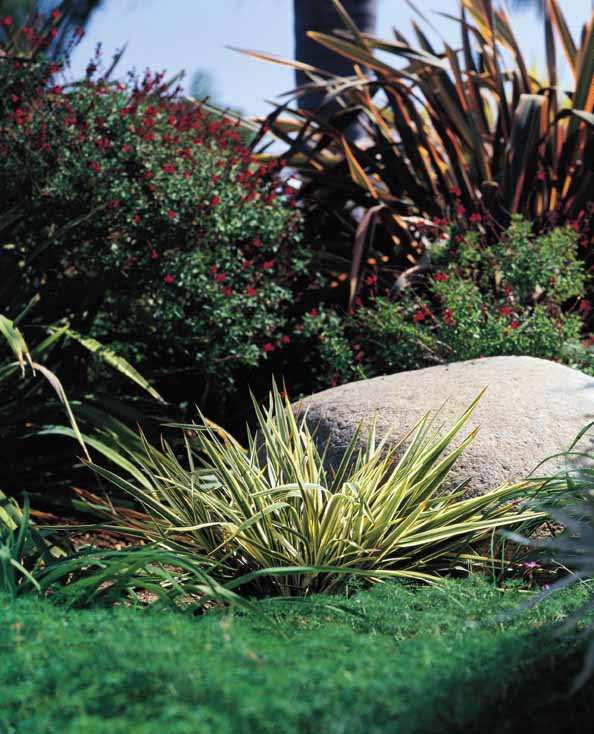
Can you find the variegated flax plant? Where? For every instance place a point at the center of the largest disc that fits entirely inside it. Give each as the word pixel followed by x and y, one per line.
pixel 275 518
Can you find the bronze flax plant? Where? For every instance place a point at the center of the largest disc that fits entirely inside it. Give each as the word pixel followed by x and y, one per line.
pixel 450 132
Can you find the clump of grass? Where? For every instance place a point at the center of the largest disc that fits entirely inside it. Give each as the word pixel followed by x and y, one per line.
pixel 275 516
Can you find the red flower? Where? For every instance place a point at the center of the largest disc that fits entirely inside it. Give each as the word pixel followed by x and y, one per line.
pixel 286 339
pixel 475 219
pixel 154 255
pixel 169 279
pixel 441 277
pixel 256 242
pixel 421 314
pixel 371 279
pixel 251 291
pixel 506 310
pixel 455 191
pixel 268 347
pixel 96 166
pixel 267 264
pixel 313 313
pixel 215 201
pixel 461 210
pixel 514 324
pixel 171 214
pixel 584 307
pixel 220 277
pixel 136 218
pixel 227 291
pixel 448 319
pixel 168 168
pixel 7 21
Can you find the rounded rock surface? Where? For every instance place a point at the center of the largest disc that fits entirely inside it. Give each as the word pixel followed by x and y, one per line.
pixel 532 409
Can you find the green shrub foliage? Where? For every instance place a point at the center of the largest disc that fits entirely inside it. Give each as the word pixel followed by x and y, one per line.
pixel 142 219
pixel 522 296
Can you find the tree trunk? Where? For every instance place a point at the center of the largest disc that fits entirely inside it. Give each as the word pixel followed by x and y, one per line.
pixel 320 15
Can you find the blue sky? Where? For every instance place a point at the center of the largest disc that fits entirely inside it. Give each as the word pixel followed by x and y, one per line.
pixel 192 34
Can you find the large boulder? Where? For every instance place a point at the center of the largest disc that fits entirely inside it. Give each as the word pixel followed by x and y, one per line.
pixel 532 409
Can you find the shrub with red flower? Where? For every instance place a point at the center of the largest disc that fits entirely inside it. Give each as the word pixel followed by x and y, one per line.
pixel 122 199
pixel 523 295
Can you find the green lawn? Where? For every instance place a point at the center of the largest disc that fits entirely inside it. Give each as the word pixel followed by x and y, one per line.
pixel 392 659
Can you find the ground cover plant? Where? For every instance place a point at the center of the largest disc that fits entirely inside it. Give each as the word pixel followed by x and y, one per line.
pixel 336 664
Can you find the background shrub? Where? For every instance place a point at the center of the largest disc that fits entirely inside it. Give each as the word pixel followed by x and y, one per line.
pixel 521 295
pixel 141 219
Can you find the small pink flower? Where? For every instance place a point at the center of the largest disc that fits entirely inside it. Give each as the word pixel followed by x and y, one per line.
pixel 169 279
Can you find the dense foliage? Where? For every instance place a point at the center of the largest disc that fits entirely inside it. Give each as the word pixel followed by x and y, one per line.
pixel 391 659
pixel 141 219
pixel 469 299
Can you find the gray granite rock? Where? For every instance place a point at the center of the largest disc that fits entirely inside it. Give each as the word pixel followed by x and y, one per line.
pixel 532 408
